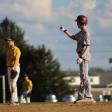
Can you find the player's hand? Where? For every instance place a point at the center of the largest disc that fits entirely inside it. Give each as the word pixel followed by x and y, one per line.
pixel 13 74
pixel 62 29
pixel 79 60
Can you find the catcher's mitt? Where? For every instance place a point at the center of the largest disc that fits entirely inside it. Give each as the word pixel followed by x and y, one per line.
pixel 13 74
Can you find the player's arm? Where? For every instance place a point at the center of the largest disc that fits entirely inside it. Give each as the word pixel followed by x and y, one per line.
pixel 83 54
pixel 70 35
pixel 85 51
pixel 30 86
pixel 17 57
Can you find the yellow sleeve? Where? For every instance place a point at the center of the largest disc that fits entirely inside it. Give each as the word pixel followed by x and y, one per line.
pixel 30 85
pixel 17 54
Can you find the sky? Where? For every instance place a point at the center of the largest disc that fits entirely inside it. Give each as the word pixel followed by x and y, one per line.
pixel 41 19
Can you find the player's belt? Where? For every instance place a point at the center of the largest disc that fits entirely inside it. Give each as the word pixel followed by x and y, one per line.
pixel 10 66
pixel 86 45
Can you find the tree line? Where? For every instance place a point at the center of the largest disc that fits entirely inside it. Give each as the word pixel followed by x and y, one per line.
pixel 39 63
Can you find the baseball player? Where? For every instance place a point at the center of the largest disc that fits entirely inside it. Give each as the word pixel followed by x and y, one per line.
pixel 27 89
pixel 13 68
pixel 83 50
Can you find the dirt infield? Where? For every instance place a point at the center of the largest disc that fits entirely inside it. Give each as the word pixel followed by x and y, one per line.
pixel 57 107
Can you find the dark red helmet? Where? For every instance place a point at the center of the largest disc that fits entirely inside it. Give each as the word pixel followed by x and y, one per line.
pixel 82 19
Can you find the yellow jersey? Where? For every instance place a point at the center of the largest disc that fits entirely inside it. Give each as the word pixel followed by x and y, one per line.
pixel 12 55
pixel 27 85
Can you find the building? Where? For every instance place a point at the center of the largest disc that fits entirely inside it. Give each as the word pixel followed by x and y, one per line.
pixel 100 81
pixel 75 80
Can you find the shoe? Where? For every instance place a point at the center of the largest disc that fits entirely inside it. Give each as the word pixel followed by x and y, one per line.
pixel 86 100
pixel 14 103
pixel 78 99
pixel 90 99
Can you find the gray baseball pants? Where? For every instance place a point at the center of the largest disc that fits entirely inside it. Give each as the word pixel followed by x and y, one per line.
pixel 85 87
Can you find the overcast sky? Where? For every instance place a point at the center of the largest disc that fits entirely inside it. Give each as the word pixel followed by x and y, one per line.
pixel 40 19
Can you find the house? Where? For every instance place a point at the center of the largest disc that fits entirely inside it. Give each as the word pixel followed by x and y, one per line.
pixel 100 81
pixel 75 80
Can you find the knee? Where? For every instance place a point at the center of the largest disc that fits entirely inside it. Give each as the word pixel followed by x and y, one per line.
pixel 14 87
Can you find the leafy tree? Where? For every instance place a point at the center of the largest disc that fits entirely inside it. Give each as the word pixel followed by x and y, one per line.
pixel 9 28
pixel 39 63
pixel 45 73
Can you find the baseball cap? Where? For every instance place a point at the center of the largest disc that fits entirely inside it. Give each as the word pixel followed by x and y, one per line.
pixel 9 39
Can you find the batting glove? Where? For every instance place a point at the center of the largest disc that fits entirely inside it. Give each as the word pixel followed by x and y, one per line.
pixel 79 60
pixel 62 29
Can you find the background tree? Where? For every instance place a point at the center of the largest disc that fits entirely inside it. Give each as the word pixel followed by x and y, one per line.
pixel 9 28
pixel 46 75
pixel 39 63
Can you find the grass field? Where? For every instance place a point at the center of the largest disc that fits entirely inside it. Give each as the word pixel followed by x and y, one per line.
pixel 57 107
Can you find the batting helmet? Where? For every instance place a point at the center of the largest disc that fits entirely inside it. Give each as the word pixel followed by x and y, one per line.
pixel 82 19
